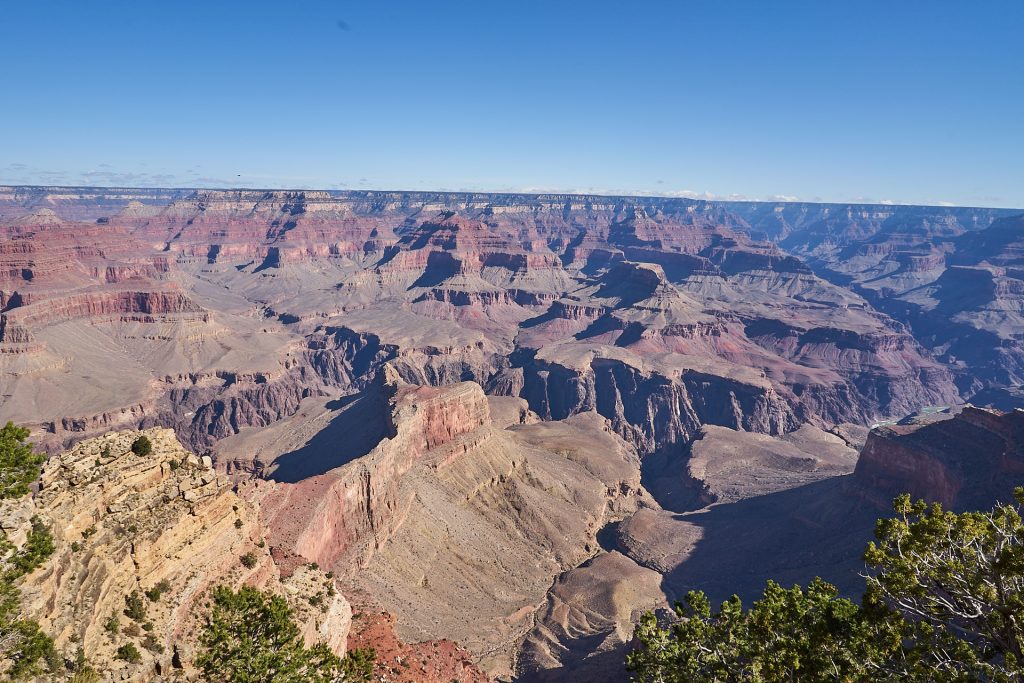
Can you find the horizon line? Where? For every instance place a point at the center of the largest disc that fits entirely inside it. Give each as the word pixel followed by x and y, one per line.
pixel 530 193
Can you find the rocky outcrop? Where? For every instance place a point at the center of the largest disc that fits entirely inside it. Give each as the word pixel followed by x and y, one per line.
pixel 649 409
pixel 445 475
pixel 432 661
pixel 965 461
pixel 356 508
pixel 124 523
pixel 17 322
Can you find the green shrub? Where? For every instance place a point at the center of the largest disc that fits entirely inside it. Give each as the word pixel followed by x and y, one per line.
pixel 135 608
pixel 129 653
pixel 36 550
pixel 142 446
pixel 250 635
pixel 86 675
pixel 151 644
pixel 19 464
pixel 942 605
pixel 159 589
pixel 249 560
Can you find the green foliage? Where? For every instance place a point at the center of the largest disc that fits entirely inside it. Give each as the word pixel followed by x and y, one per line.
pixel 129 653
pixel 142 446
pixel 250 637
pixel 787 635
pixel 135 608
pixel 944 604
pixel 34 653
pixel 28 651
pixel 19 464
pixel 112 625
pixel 86 675
pixel 248 560
pixel 959 579
pixel 151 644
pixel 36 550
pixel 357 665
pixel 154 593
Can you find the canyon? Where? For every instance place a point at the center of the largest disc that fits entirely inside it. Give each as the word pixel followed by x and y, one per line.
pixel 511 422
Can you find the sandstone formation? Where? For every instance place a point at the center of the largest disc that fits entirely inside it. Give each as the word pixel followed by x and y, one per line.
pixel 964 462
pixel 513 422
pixel 455 523
pixel 123 524
pixel 225 309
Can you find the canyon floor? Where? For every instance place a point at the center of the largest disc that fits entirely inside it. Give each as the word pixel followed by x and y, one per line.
pixel 509 424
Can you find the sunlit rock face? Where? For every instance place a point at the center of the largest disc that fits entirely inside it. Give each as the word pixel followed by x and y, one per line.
pixel 513 421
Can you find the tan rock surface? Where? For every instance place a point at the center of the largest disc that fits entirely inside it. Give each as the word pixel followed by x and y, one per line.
pixel 124 523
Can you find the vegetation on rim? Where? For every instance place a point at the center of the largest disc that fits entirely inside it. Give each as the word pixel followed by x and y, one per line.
pixel 944 603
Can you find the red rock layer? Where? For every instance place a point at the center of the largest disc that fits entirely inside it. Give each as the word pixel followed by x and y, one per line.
pixel 970 460
pixel 356 507
pixel 432 661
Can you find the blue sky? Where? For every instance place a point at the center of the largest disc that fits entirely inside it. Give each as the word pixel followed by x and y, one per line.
pixel 906 101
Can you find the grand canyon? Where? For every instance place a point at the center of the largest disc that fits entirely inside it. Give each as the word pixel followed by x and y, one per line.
pixel 498 426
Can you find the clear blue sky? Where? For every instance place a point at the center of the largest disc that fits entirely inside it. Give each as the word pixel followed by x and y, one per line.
pixel 904 100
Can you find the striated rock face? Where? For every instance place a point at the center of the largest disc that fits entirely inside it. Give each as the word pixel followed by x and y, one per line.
pixel 124 523
pixel 356 508
pixel 964 462
pixel 598 603
pixel 448 482
pixel 226 309
pixel 946 273
pixel 509 420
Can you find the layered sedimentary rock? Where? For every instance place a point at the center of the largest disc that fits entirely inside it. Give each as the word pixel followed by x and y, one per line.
pixel 124 523
pixel 457 521
pixel 630 303
pixel 949 274
pixel 964 461
pixel 515 421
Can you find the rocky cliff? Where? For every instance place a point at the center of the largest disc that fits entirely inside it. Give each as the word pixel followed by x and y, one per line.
pixel 455 475
pixel 965 461
pixel 676 302
pixel 123 524
pixel 510 420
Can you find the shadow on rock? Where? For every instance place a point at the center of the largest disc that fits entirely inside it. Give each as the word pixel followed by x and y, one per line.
pixel 360 424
